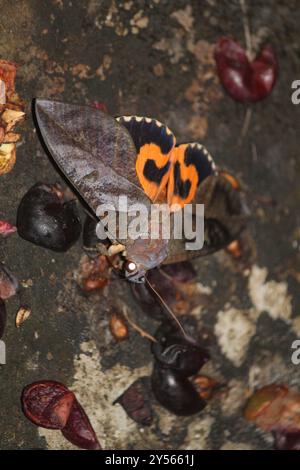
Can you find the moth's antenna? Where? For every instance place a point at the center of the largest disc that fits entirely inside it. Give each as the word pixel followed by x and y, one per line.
pixel 168 309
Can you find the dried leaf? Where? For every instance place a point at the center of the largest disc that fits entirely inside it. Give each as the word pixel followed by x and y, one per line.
pixel 242 79
pixel 2 92
pixel 7 158
pixel 11 117
pixel 8 74
pixel 22 315
pixel 118 327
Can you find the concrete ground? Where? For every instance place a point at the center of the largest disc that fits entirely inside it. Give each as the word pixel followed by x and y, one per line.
pixel 155 58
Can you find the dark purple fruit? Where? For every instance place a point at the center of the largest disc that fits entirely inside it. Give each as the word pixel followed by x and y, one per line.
pixel 287 441
pixel 147 300
pixel 174 392
pixel 136 403
pixel 89 236
pixel 2 317
pixel 178 352
pixel 90 240
pixel 79 430
pixel 180 272
pixel 44 219
pixel 47 404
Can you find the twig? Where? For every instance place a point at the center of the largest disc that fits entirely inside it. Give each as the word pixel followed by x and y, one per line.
pixel 246 29
pixel 254 152
pixel 245 127
pixel 136 327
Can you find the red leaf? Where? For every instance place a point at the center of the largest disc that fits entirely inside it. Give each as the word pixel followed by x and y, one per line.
pixel 8 283
pixel 6 228
pixel 79 430
pixel 242 79
pixel 100 106
pixel 52 405
pixel 8 74
pixel 47 404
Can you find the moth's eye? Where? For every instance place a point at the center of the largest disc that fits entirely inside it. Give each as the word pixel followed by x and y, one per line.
pixel 130 267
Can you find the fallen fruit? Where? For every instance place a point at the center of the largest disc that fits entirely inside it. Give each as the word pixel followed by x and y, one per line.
pixel 174 392
pixel 287 441
pixel 118 327
pixel 177 352
pixel 136 403
pixel 78 429
pixel 205 386
pixel 47 404
pixel 44 219
pixel 242 79
pixel 9 284
pixel 52 405
pixel 23 314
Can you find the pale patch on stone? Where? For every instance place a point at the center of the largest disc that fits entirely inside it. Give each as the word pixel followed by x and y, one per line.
pixel 272 369
pixel 173 46
pixel 184 17
pixel 235 397
pixel 96 391
pixel 234 330
pixel 197 437
pixel 139 21
pixel 296 325
pixel 2 92
pixel 202 289
pixel 269 296
pixel 229 445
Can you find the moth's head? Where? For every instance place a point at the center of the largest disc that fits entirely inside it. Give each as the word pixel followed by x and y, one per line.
pixel 134 272
pixel 143 255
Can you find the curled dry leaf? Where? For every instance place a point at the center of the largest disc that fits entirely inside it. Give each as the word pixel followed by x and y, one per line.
pixel 47 404
pixel 275 408
pixel 6 228
pixel 7 158
pixel 9 284
pixel 8 72
pixel 78 429
pixel 11 118
pixel 52 405
pixel 136 402
pixel 23 314
pixel 242 79
pixel 234 249
pixel 11 113
pixel 118 327
pixel 205 386
pixel 2 92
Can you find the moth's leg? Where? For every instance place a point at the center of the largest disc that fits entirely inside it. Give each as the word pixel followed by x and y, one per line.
pixel 115 249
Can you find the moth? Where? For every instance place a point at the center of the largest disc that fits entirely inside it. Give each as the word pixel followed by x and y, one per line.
pixel 104 157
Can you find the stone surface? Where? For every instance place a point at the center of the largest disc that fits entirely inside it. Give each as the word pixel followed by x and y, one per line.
pixel 155 58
